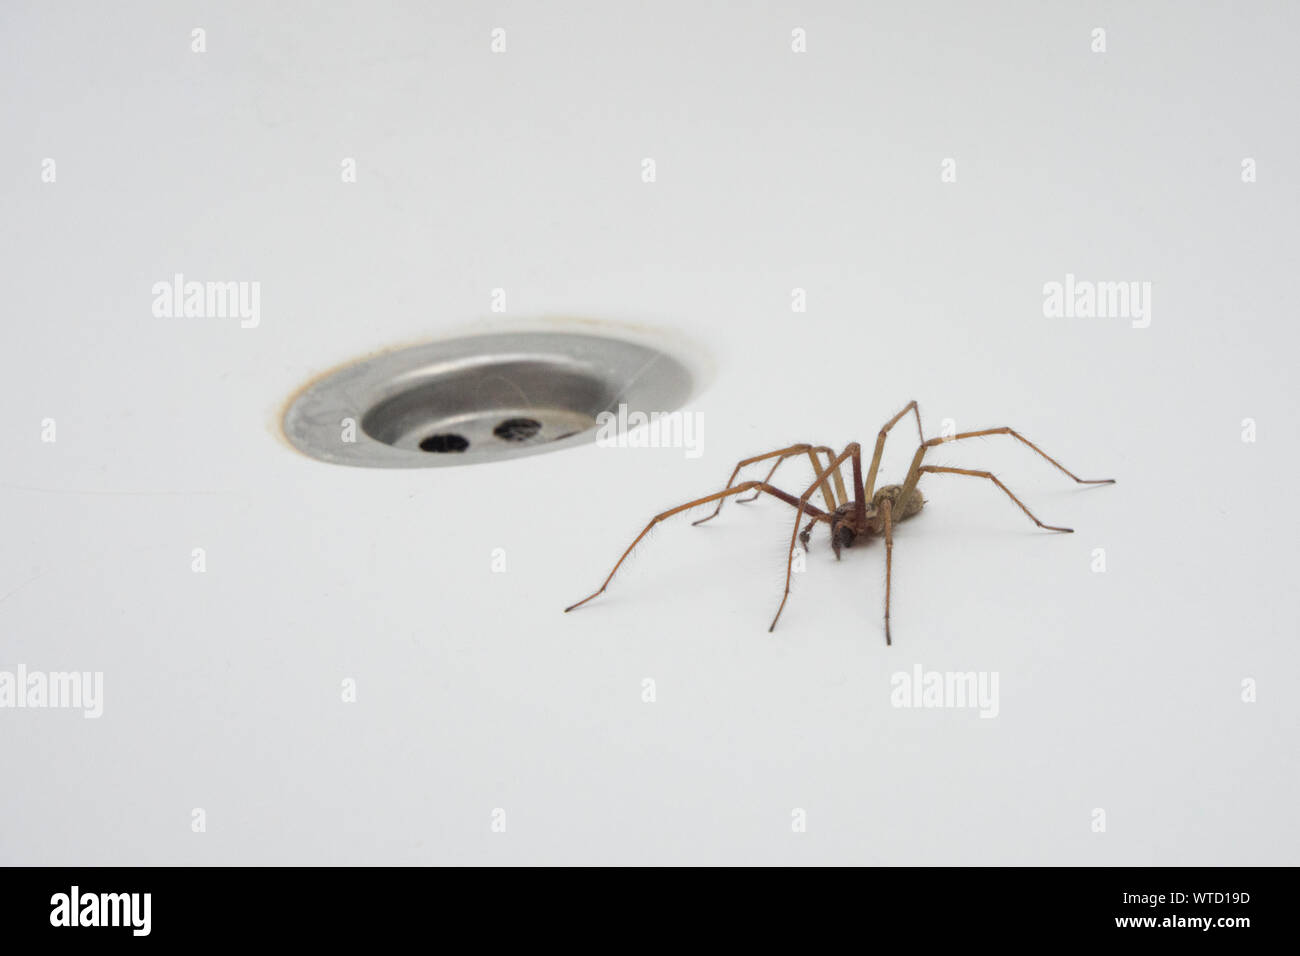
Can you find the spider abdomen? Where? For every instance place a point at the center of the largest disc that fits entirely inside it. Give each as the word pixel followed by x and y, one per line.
pixel 915 502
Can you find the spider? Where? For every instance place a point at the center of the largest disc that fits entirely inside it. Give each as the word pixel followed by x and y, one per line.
pixel 868 513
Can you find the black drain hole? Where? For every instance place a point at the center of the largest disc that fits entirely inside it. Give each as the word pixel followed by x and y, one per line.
pixel 444 443
pixel 517 429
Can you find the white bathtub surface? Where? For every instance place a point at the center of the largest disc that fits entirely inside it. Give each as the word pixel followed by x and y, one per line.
pixel 479 705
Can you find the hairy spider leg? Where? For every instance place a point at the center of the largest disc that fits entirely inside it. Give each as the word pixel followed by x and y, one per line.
pixel 870 488
pixel 852 451
pixel 914 471
pixel 726 492
pixel 887 509
pixel 781 454
pixel 941 470
pixel 840 491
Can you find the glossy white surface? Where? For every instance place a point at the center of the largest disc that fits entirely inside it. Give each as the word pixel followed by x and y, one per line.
pixel 522 171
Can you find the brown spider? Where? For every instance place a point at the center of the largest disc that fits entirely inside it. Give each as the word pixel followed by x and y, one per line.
pixel 868 513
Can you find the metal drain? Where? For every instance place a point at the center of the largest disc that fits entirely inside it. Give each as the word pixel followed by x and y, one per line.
pixel 480 398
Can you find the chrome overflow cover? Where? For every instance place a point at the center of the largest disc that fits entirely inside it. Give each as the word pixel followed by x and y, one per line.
pixel 480 398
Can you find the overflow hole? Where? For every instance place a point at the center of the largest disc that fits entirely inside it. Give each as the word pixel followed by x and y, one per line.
pixel 517 429
pixel 444 443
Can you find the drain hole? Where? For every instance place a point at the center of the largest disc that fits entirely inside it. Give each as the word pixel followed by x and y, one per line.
pixel 517 429
pixel 444 443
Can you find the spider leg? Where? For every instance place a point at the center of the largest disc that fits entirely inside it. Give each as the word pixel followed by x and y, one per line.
pixel 817 469
pixel 887 508
pixel 852 451
pixel 941 470
pixel 801 504
pixel 870 486
pixel 781 454
pixel 914 471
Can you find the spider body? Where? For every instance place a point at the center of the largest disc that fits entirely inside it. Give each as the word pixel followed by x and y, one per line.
pixel 845 531
pixel 855 513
